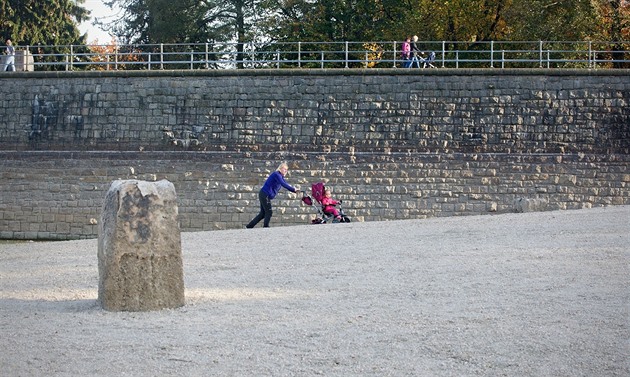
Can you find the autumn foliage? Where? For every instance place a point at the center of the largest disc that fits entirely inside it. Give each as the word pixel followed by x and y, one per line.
pixel 111 57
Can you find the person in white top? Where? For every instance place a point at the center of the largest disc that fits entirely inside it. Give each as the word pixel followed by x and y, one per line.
pixel 9 63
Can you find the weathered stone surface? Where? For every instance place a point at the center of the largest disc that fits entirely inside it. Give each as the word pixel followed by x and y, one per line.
pixel 210 197
pixel 453 142
pixel 530 205
pixel 484 110
pixel 139 247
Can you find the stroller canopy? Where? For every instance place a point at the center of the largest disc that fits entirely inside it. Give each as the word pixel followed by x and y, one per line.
pixel 318 190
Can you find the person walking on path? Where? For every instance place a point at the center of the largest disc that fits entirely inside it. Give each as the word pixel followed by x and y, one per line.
pixel 9 64
pixel 269 190
pixel 415 53
pixel 406 52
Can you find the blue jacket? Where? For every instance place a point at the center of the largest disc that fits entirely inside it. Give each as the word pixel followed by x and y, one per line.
pixel 274 183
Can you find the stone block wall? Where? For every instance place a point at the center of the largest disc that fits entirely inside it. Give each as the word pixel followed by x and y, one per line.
pixel 446 110
pixel 58 195
pixel 393 144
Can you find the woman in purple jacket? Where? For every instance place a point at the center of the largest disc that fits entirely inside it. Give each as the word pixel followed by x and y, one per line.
pixel 270 189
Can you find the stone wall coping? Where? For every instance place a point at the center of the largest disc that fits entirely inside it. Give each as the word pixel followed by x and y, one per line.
pixel 296 157
pixel 320 72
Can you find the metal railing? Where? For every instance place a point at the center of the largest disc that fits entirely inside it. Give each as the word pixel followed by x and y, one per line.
pixel 448 54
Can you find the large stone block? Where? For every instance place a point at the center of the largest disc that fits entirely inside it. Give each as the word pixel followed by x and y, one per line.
pixel 139 248
pixel 530 205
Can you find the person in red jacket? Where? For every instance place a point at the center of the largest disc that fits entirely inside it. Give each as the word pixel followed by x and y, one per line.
pixel 329 205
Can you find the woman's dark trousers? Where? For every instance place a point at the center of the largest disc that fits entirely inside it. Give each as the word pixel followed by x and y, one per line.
pixel 265 211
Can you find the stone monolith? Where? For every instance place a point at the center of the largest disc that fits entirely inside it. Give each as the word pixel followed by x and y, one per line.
pixel 139 248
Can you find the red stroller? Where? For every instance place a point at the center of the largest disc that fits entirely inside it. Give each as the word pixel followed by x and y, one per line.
pixel 318 190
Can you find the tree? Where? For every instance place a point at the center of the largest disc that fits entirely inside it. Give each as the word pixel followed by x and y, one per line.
pixel 311 22
pixel 363 20
pixel 550 20
pixel 110 57
pixel 613 18
pixel 333 20
pixel 36 22
pixel 460 20
pixel 156 21
pixel 189 21
pixel 186 21
pixel 470 24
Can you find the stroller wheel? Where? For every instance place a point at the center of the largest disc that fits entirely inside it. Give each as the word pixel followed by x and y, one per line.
pixel 345 219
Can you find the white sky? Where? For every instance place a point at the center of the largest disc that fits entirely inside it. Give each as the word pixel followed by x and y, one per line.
pixel 101 11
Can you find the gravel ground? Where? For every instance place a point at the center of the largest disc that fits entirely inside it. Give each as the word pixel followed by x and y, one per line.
pixel 534 294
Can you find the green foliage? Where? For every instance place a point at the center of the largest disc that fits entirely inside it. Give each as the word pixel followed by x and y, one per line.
pixel 562 20
pixel 156 21
pixel 332 20
pixel 187 21
pixel 50 22
pixel 451 20
pixel 354 20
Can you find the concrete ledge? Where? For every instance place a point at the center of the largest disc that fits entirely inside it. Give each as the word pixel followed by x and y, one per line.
pixel 323 72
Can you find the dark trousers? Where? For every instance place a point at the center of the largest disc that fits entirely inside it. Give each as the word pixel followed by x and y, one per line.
pixel 265 211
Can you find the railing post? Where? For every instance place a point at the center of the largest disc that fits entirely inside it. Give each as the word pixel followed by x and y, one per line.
pixel 150 54
pixel 591 61
pixel 540 59
pixel 502 59
pixel 322 61
pixel 443 53
pixel 548 60
pixel 207 57
pixel 277 59
pixel 456 58
pixel 347 54
pixel 299 54
pixel 192 59
pixel 491 54
pixel 116 58
pixel 161 55
pixel 71 57
pixel 26 60
pixel 395 54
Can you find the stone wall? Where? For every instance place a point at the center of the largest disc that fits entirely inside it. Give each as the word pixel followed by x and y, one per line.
pixel 504 111
pixel 58 195
pixel 393 144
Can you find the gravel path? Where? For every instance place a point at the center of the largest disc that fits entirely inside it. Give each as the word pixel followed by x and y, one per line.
pixel 534 294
